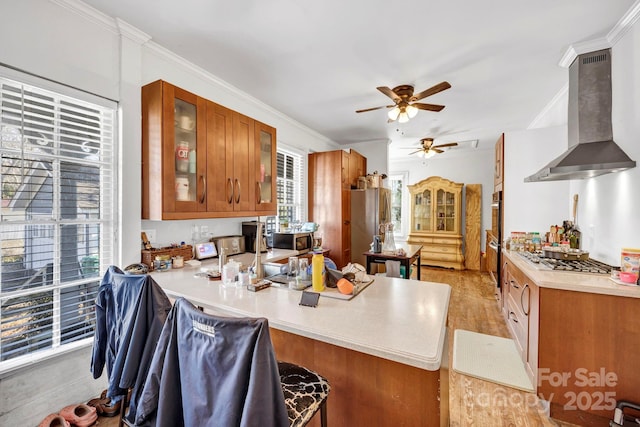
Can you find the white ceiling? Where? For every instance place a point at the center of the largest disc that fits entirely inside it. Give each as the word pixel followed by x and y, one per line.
pixel 319 61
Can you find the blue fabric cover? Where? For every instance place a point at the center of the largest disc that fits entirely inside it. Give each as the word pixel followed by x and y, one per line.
pixel 130 313
pixel 213 371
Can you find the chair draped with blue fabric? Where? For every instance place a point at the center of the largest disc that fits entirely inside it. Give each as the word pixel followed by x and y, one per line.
pixel 130 313
pixel 214 370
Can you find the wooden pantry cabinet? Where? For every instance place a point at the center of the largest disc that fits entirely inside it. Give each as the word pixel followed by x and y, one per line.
pixel 436 214
pixel 330 181
pixel 203 160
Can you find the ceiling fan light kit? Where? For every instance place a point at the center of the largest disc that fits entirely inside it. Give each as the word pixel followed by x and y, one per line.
pixel 406 107
pixel 428 150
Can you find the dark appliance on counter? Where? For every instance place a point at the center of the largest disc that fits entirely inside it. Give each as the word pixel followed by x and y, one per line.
pixel 495 244
pixel 249 232
pixel 301 242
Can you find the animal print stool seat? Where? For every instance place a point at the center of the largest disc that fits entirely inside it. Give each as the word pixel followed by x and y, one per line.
pixel 305 392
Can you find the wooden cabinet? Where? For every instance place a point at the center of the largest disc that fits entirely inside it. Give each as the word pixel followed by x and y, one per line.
pixel 521 311
pixel 436 215
pixel 498 173
pixel 265 168
pixel 330 200
pixel 202 160
pixel 357 168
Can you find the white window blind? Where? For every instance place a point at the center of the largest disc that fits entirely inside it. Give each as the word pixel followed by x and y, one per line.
pixel 289 186
pixel 57 217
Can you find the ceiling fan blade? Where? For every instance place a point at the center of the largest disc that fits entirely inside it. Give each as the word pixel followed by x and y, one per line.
pixel 429 107
pixel 417 151
pixel 391 94
pixel 451 144
pixel 437 150
pixel 431 91
pixel 374 108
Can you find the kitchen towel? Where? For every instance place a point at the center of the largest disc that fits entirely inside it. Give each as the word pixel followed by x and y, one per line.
pixel 489 358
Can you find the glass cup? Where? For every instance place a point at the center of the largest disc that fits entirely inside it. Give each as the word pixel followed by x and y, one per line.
pixel 293 266
pixel 303 268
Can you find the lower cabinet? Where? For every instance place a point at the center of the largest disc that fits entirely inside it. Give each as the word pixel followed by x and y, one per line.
pixel 519 309
pixel 580 349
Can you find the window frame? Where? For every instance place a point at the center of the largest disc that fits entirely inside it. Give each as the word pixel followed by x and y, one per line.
pixel 106 219
pixel 402 176
pixel 299 182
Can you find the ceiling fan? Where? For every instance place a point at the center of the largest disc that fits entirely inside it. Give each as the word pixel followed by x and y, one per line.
pixel 405 107
pixel 427 149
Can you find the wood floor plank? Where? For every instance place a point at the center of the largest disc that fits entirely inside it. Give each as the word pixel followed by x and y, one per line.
pixel 475 402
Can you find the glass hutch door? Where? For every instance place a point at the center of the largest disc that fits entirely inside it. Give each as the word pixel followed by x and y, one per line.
pixel 422 211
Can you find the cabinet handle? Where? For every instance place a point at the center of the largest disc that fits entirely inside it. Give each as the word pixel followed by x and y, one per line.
pixel 526 312
pixel 513 283
pixel 511 313
pixel 229 191
pixel 258 193
pixel 204 188
pixel 238 185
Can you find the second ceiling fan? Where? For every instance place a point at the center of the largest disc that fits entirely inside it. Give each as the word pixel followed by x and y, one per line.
pixel 405 106
pixel 427 149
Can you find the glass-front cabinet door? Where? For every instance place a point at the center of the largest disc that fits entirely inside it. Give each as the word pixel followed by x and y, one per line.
pixel 186 153
pixel 445 210
pixel 265 153
pixel 422 211
pixel 185 186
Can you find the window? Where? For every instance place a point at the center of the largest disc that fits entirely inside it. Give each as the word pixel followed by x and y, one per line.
pixel 398 184
pixel 289 186
pixel 57 222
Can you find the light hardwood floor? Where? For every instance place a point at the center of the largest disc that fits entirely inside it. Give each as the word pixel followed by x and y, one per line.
pixel 474 402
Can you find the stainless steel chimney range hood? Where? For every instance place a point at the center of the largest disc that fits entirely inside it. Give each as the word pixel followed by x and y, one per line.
pixel 592 151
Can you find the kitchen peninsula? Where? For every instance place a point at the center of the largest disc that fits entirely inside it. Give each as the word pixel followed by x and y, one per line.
pixel 382 351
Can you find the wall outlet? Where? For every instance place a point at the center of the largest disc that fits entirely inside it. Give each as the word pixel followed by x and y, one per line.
pixel 151 235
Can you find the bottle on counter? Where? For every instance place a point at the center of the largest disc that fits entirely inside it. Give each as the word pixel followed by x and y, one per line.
pixel 317 272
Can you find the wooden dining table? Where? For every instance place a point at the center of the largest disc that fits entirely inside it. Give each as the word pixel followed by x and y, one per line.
pixel 411 256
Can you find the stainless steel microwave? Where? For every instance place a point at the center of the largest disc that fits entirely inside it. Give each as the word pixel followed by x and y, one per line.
pixel 301 242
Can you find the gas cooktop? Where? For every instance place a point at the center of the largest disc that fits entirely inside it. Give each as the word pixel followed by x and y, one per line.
pixel 581 266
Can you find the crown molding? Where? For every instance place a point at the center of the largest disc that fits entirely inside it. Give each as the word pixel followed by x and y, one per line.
pixel 558 96
pixel 131 32
pixel 206 75
pixel 88 13
pixel 623 25
pixel 120 27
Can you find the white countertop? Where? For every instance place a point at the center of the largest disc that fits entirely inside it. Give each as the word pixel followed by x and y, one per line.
pixel 572 281
pixel 396 319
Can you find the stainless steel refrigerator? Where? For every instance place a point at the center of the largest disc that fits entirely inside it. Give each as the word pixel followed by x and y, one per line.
pixel 369 209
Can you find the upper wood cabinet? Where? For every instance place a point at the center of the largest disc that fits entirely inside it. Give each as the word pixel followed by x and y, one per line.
pixel 499 164
pixel 202 160
pixel 265 168
pixel 357 168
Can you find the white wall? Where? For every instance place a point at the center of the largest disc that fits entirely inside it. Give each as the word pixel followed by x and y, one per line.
pixel 467 167
pixel 533 206
pixel 609 204
pixel 377 154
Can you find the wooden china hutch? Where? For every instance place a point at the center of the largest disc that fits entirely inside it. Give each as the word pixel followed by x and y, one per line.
pixel 436 221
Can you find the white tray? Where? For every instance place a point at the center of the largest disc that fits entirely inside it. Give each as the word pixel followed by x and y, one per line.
pixel 620 282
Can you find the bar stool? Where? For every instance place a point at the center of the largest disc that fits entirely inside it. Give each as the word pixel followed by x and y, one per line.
pixel 232 374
